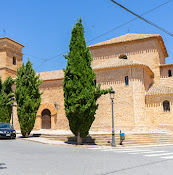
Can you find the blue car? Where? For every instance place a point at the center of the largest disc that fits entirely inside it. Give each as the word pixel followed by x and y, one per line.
pixel 7 131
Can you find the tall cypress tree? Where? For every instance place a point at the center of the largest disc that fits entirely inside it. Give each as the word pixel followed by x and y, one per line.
pixel 28 97
pixel 80 93
pixel 5 99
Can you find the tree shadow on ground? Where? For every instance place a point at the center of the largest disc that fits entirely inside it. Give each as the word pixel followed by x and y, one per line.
pixel 85 141
pixel 2 166
pixel 33 135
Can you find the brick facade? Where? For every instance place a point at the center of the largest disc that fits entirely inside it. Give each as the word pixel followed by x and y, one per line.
pixel 138 105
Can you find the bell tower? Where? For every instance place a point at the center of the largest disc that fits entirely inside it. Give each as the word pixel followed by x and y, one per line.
pixel 10 57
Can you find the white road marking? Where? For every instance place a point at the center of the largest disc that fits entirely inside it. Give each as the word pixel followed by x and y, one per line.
pixel 167 157
pixel 163 154
pixel 117 149
pixel 144 152
pixel 125 151
pixel 148 152
pixel 134 151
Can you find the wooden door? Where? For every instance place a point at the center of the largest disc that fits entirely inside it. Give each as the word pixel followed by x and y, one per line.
pixel 46 119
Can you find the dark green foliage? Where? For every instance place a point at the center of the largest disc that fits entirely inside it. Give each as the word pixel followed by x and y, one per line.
pixel 28 97
pixel 5 99
pixel 80 93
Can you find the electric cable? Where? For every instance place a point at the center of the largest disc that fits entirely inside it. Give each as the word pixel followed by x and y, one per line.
pixel 140 17
pixel 45 60
pixel 129 21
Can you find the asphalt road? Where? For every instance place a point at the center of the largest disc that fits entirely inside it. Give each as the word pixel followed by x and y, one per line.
pixel 21 157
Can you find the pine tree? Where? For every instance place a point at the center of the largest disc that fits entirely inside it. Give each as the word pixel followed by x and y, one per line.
pixel 5 99
pixel 28 97
pixel 80 93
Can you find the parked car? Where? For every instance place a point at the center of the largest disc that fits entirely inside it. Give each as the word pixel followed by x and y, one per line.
pixel 7 131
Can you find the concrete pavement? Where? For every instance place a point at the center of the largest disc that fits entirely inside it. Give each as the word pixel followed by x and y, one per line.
pixel 20 157
pixel 51 141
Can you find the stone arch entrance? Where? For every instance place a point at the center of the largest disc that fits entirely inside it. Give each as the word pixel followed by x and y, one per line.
pixel 51 111
pixel 46 119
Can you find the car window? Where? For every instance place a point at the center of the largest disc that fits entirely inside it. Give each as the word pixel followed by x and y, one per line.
pixel 5 125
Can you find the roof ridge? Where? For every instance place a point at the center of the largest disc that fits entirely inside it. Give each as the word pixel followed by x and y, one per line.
pixel 50 71
pixel 5 37
pixel 120 62
pixel 51 75
pixel 124 38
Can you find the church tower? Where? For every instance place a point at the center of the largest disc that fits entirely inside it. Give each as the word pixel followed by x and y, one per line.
pixel 10 57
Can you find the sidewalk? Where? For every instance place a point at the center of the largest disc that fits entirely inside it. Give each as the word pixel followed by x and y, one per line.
pixel 57 132
pixel 35 137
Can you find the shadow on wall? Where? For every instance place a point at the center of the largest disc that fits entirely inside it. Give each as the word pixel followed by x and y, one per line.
pixel 156 101
pixel 136 51
pixel 122 81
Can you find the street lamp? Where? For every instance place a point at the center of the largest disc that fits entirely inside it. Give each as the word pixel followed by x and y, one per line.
pixel 113 133
pixel 12 104
pixel 56 105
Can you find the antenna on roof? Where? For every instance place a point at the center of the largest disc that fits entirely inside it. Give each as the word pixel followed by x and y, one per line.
pixel 4 32
pixel 128 30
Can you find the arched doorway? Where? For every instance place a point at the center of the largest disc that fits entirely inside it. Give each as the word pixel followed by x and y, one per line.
pixel 46 119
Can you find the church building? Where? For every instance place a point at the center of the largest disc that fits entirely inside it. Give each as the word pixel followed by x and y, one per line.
pixel 132 64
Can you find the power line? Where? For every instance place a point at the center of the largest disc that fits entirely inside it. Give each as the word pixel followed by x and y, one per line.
pixel 33 56
pixel 129 21
pixel 157 7
pixel 147 21
pixel 50 59
pixel 45 60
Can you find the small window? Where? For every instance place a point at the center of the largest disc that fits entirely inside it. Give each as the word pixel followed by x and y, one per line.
pixel 166 106
pixel 123 56
pixel 127 80
pixel 14 61
pixel 169 73
pixel 95 82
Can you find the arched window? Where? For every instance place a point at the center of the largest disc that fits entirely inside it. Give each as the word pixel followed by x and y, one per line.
pixel 127 80
pixel 169 73
pixel 14 61
pixel 123 56
pixel 166 106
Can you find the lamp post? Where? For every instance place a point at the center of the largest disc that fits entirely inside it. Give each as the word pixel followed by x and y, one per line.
pixel 12 104
pixel 113 133
pixel 56 105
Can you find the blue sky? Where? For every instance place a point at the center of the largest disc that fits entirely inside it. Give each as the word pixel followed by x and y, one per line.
pixel 44 26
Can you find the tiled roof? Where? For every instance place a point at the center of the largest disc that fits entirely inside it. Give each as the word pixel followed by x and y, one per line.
pixel 51 75
pixel 126 38
pixel 118 63
pixel 156 89
pixel 6 38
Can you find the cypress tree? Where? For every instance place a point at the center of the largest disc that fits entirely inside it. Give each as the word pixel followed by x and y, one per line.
pixel 28 97
pixel 5 99
pixel 80 93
